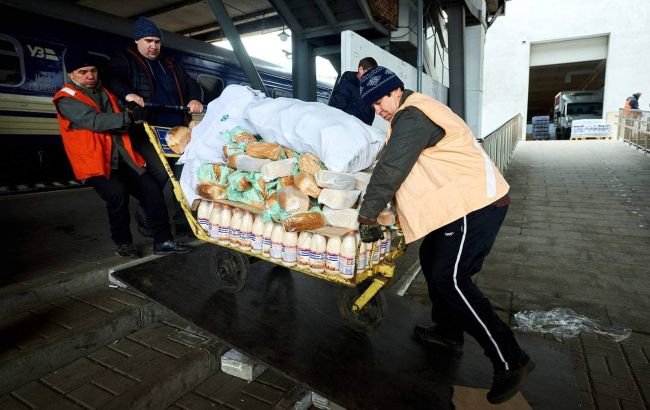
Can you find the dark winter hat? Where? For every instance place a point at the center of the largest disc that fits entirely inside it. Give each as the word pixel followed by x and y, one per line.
pixel 75 58
pixel 144 27
pixel 376 83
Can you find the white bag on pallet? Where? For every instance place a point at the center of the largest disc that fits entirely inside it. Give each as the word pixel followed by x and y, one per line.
pixel 343 142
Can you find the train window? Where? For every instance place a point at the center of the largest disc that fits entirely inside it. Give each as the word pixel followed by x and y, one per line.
pixel 212 86
pixel 11 67
pixel 280 93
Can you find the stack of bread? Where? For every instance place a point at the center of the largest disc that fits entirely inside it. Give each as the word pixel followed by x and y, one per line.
pixel 287 187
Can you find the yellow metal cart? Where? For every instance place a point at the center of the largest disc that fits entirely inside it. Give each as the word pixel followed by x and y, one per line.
pixel 360 302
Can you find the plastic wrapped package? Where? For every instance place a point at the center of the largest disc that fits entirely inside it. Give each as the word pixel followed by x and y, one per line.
pixel 278 169
pixel 338 199
pixel 285 181
pixel 307 184
pixel 214 173
pixel 562 322
pixel 309 163
pixel 335 180
pixel 210 190
pixel 342 218
pixel 238 135
pixel 292 200
pixel 238 180
pixel 230 150
pixel 258 182
pixel 178 138
pixel 264 150
pixel 303 221
pixel 246 163
pixel 251 197
pixel 362 179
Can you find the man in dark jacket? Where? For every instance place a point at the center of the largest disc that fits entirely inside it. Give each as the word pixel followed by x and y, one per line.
pixel 142 74
pixel 346 95
pixel 100 151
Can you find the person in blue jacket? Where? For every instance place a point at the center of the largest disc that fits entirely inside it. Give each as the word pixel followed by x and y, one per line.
pixel 346 96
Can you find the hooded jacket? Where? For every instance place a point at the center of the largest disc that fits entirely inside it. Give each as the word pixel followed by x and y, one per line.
pixel 346 97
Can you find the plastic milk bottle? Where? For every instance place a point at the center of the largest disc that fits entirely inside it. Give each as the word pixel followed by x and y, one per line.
pixel 304 241
pixel 203 215
pixel 224 225
pixel 346 257
pixel 277 235
pixel 246 231
pixel 235 227
pixel 257 234
pixel 266 237
pixel 317 253
pixel 215 220
pixel 383 248
pixel 332 255
pixel 362 261
pixel 290 248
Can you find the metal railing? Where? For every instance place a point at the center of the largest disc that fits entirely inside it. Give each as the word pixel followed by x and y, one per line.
pixel 501 143
pixel 634 127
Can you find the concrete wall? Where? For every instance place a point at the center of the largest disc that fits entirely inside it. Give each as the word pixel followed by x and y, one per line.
pixel 508 42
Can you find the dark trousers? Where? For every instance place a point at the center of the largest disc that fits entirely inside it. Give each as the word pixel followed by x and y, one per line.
pixel 449 257
pixel 116 190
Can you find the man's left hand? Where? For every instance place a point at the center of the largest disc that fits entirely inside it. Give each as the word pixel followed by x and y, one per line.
pixel 370 233
pixel 195 107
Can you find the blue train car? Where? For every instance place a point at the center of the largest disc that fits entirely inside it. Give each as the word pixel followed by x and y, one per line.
pixel 32 46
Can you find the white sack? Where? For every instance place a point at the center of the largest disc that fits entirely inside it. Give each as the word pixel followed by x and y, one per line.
pixel 336 180
pixel 362 180
pixel 343 142
pixel 342 218
pixel 224 113
pixel 278 169
pixel 188 180
pixel 338 199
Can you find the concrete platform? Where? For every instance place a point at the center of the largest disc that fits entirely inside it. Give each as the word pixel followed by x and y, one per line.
pixel 290 322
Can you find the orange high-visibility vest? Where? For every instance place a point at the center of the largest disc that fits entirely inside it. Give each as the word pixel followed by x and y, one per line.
pixel 89 152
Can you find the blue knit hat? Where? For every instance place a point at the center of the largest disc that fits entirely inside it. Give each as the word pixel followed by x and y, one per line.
pixel 376 83
pixel 144 27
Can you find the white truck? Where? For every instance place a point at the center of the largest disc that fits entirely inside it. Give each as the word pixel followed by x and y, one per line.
pixel 575 105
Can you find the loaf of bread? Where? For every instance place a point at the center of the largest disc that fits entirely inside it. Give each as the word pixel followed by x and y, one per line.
pixel 264 150
pixel 309 163
pixel 335 180
pixel 246 163
pixel 286 181
pixel 289 152
pixel 193 124
pixel 291 199
pixel 271 200
pixel 210 190
pixel 278 169
pixel 307 184
pixel 303 221
pixel 342 218
pixel 243 137
pixel 178 138
pixel 337 198
pixel 232 149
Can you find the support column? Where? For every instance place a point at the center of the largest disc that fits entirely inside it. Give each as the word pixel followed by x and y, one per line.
pixel 303 69
pixel 456 21
pixel 232 35
pixel 474 41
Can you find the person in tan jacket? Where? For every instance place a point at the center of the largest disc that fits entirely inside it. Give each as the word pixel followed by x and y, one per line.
pixel 448 192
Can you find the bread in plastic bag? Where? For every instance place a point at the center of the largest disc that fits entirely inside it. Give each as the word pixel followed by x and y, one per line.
pixel 291 199
pixel 178 138
pixel 264 150
pixel 361 180
pixel 246 163
pixel 309 163
pixel 307 184
pixel 278 169
pixel 210 190
pixel 337 198
pixel 238 180
pixel 342 218
pixel 303 221
pixel 335 180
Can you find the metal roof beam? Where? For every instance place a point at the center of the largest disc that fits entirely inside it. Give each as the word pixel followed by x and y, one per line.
pixel 323 31
pixel 165 9
pixel 327 12
pixel 367 12
pixel 238 21
pixel 287 15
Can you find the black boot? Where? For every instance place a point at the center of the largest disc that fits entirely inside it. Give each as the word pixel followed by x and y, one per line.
pixel 507 383
pixel 170 246
pixel 431 336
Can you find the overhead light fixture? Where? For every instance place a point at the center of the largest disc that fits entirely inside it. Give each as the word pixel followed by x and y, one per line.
pixel 284 36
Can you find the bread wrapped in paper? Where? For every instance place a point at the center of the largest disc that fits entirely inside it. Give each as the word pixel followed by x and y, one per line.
pixel 286 181
pixel 278 169
pixel 361 181
pixel 303 221
pixel 309 163
pixel 232 149
pixel 246 163
pixel 178 138
pixel 291 199
pixel 307 184
pixel 337 198
pixel 211 190
pixel 243 137
pixel 238 180
pixel 334 180
pixel 268 150
pixel 271 199
pixel 289 152
pixel 342 218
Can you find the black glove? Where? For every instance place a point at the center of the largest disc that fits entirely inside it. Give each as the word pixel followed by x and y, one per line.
pixel 136 114
pixel 370 233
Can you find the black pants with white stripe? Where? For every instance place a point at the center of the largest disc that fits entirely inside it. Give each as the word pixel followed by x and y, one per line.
pixel 449 257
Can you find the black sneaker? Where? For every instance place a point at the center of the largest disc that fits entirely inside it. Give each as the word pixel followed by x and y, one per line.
pixel 507 383
pixel 429 336
pixel 127 250
pixel 170 246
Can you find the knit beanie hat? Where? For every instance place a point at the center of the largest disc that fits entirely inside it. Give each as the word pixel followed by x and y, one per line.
pixel 144 27
pixel 376 83
pixel 75 58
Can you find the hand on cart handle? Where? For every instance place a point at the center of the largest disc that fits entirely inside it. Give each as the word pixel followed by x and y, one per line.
pixel 370 233
pixel 137 114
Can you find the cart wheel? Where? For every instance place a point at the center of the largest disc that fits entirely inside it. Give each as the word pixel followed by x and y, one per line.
pixel 368 318
pixel 229 270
